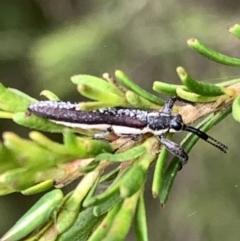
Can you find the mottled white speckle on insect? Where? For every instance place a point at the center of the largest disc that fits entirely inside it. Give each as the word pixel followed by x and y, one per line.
pixel 55 105
pixel 100 110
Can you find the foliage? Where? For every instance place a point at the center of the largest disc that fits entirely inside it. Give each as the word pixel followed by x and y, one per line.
pixel 36 165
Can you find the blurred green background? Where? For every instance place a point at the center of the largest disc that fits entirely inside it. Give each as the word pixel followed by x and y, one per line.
pixel 43 43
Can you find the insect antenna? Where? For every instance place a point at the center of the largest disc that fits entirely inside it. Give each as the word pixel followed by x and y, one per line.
pixel 206 138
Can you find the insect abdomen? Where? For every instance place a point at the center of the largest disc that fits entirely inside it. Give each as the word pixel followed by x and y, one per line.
pixel 67 112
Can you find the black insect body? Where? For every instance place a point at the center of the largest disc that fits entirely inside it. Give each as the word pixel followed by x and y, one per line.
pixel 123 121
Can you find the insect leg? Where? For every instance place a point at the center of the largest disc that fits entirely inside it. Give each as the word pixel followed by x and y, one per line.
pixel 104 135
pixel 175 149
pixel 101 135
pixel 167 108
pixel 132 138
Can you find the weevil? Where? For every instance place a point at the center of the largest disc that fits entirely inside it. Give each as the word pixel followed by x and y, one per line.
pixel 124 121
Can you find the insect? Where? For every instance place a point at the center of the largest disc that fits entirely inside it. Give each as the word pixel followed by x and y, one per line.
pixel 124 122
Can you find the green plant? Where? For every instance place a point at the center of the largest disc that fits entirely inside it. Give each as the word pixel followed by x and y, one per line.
pixel 36 165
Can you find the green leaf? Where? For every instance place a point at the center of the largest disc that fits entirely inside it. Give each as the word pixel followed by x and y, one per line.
pixel 111 191
pixel 13 100
pixel 139 102
pixel 65 218
pixel 8 159
pixel 96 83
pixel 82 227
pixel 48 144
pixel 110 175
pixel 101 198
pixel 29 153
pixel 107 205
pixel 101 231
pixel 192 97
pixel 134 178
pixel 166 88
pixel 22 95
pixel 41 187
pixel 170 175
pixel 100 94
pixel 211 54
pixel 201 88
pixel 6 115
pixel 159 170
pixel 236 109
pixel 141 229
pixel 132 181
pixel 37 123
pixel 123 156
pixel 122 220
pixel 37 215
pixel 235 30
pixel 126 81
pixel 49 95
